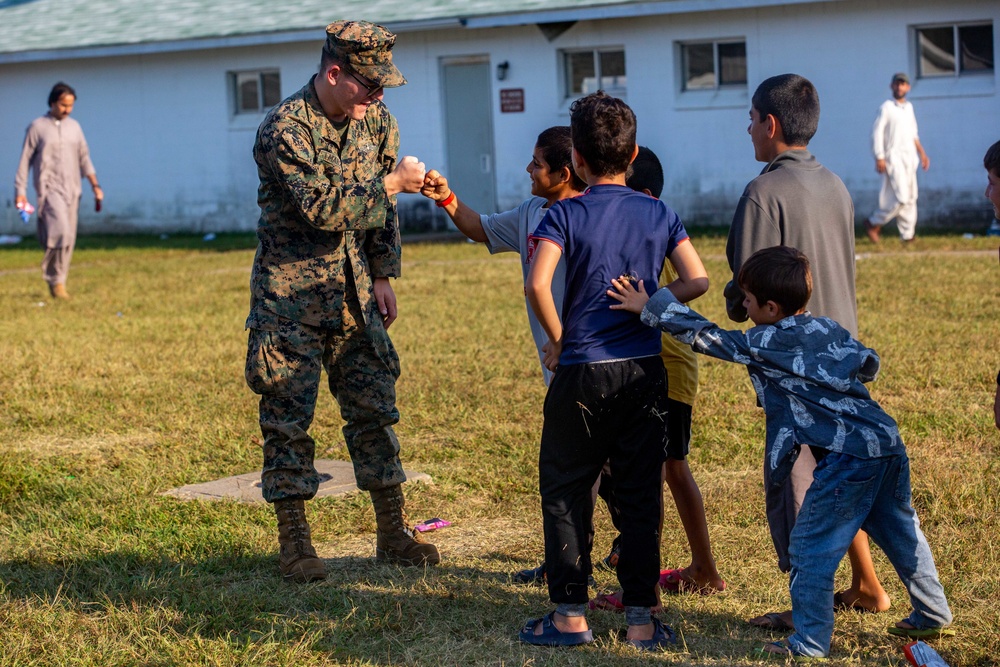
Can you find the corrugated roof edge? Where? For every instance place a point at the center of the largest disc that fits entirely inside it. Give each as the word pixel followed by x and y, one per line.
pixel 200 43
pixel 620 9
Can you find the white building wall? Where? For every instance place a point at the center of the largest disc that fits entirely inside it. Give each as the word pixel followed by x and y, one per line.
pixel 167 148
pixel 170 154
pixel 848 49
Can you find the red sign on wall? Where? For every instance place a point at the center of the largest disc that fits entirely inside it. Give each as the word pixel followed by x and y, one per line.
pixel 511 100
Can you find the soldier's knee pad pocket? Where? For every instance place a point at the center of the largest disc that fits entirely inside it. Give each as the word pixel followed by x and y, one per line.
pixel 266 370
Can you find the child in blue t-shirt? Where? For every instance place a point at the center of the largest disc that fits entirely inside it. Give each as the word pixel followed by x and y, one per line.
pixel 808 374
pixel 607 399
pixel 645 175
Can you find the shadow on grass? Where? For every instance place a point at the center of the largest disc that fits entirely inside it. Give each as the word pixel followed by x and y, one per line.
pixel 364 611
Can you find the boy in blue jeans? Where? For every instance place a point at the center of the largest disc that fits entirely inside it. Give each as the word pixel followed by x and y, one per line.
pixel 808 373
pixel 607 398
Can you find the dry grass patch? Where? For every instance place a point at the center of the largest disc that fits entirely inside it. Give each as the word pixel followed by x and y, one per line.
pixel 136 386
pixel 62 445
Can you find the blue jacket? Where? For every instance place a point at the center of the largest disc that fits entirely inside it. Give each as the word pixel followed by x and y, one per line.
pixel 808 373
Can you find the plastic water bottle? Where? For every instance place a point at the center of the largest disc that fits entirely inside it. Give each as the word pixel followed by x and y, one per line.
pixel 25 209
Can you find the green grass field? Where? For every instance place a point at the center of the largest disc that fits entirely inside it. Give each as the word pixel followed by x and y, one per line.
pixel 135 386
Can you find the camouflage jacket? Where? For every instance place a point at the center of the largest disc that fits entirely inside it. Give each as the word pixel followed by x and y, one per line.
pixel 325 217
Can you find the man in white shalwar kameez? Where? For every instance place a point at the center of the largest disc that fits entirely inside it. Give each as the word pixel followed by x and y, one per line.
pixel 898 153
pixel 56 153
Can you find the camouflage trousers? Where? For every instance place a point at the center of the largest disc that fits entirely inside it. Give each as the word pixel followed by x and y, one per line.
pixel 283 366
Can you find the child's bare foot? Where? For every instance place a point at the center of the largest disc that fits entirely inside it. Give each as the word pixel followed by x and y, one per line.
pixel 906 629
pixel 777 621
pixel 856 600
pixel 640 632
pixel 776 648
pixel 691 580
pixel 565 624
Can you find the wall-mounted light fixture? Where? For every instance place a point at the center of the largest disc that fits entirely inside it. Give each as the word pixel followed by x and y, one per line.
pixel 502 70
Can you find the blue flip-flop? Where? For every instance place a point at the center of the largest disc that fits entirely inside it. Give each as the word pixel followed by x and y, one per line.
pixel 663 637
pixel 551 635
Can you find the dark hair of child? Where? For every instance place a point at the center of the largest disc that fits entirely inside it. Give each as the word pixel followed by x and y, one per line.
pixel 780 274
pixel 992 159
pixel 793 100
pixel 645 173
pixel 603 129
pixel 556 145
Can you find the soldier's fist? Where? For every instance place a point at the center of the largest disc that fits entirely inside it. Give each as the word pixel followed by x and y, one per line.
pixel 408 176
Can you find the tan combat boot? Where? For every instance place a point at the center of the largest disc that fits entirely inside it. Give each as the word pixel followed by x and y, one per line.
pixel 297 559
pixel 58 291
pixel 395 542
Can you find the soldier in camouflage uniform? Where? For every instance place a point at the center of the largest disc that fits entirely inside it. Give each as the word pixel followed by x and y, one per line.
pixel 320 292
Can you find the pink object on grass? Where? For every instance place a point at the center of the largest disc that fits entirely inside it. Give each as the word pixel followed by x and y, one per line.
pixel 431 524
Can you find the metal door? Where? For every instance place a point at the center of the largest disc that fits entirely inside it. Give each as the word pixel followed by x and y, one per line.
pixel 469 132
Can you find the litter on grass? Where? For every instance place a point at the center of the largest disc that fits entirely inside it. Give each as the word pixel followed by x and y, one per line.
pixel 431 524
pixel 921 655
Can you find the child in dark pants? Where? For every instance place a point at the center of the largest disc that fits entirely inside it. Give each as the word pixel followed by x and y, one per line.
pixel 808 373
pixel 607 399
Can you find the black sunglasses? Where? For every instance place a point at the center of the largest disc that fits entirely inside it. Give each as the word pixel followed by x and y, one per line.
pixel 370 88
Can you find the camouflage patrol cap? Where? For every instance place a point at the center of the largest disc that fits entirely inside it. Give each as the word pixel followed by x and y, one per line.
pixel 366 48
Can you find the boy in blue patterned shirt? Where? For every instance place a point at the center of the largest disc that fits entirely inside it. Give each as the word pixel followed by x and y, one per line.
pixel 808 373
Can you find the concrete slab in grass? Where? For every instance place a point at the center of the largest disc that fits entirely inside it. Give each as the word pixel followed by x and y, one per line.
pixel 337 480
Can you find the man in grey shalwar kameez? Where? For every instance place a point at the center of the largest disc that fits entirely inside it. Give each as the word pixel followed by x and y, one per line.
pixel 56 152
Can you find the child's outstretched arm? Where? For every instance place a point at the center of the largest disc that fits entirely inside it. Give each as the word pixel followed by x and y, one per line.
pixel 692 278
pixel 538 289
pixel 467 220
pixel 665 312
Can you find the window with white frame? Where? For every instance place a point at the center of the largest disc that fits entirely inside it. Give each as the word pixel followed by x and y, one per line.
pixel 957 49
pixel 255 92
pixel 713 65
pixel 594 69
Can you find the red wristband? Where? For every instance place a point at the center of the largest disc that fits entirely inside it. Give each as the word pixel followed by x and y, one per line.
pixel 447 200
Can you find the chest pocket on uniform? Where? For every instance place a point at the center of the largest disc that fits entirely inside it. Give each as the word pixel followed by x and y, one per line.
pixel 359 158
